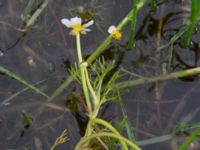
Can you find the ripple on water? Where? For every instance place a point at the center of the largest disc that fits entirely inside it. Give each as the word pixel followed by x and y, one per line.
pixel 1 53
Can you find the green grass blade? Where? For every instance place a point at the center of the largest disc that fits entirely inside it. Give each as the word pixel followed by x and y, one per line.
pixel 178 74
pixel 171 43
pixel 133 24
pixel 16 77
pixel 190 139
pixel 128 126
pixel 182 128
pixel 7 100
pixel 99 50
pixel 155 140
pixel 170 56
pixel 119 129
pixel 175 37
pixel 36 14
pixel 27 10
pixel 195 10
pixel 61 88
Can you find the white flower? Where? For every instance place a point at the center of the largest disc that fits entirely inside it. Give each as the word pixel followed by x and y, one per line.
pixel 115 32
pixel 76 25
pixel 111 29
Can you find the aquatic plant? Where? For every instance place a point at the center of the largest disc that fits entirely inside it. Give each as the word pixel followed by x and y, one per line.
pixel 116 34
pixel 60 139
pixel 194 18
pixel 94 93
pixel 99 82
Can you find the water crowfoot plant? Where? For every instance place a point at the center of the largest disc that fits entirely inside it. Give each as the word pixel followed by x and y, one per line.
pixel 76 25
pixel 116 34
pixel 157 69
pixel 60 140
pixel 95 93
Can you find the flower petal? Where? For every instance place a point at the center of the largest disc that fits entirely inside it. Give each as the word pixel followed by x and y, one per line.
pixel 111 29
pixel 91 22
pixel 87 30
pixel 76 20
pixel 66 22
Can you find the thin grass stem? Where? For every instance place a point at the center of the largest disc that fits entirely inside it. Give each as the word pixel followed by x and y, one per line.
pixel 190 139
pixel 36 14
pixel 133 24
pixel 8 100
pixel 128 126
pixel 24 82
pixel 61 88
pixel 83 78
pixel 178 74
pixel 195 10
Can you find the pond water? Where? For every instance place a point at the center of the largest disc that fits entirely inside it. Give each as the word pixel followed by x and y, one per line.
pixel 45 51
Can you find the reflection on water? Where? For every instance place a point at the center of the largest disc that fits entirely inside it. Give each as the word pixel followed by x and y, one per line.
pixel 43 53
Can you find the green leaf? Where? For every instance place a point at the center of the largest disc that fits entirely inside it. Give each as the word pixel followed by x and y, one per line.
pixel 24 82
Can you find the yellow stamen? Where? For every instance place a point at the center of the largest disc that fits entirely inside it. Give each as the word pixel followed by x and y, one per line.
pixel 76 29
pixel 117 34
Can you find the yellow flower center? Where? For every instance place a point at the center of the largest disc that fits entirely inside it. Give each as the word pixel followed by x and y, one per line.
pixel 77 28
pixel 117 34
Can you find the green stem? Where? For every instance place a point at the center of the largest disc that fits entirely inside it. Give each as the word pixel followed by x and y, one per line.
pixel 128 126
pixel 83 78
pixel 24 82
pixel 170 56
pixel 53 147
pixel 174 38
pixel 111 128
pixel 30 22
pixel 133 24
pixel 195 10
pixel 78 45
pixel 190 139
pixel 178 74
pixel 107 41
pixel 99 50
pixel 89 129
pixel 61 88
pixel 95 99
pixel 103 134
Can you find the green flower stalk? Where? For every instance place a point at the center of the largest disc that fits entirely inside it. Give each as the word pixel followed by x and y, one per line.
pixel 83 78
pixel 77 27
pixel 93 97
